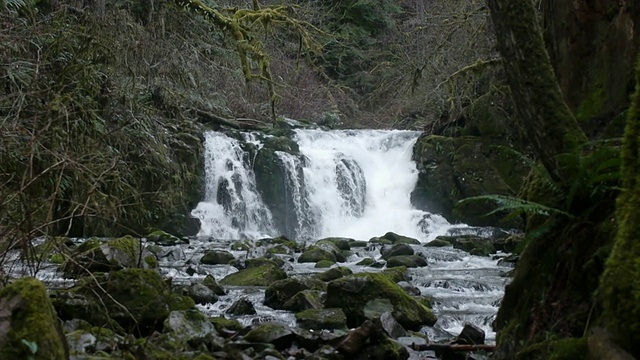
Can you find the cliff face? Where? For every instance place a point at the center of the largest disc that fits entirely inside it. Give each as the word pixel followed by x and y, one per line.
pixel 593 47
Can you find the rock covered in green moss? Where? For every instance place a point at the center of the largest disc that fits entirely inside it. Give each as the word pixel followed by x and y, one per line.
pixel 188 326
pixel 333 273
pixel 473 244
pixel 163 238
pixel 242 306
pixel 314 254
pixel 319 319
pixel 341 242
pixel 134 299
pixel 352 293
pixel 438 242
pixel 210 282
pixel 410 261
pixel 279 335
pixel 221 324
pixel 84 343
pixel 29 327
pixel 396 250
pixel 304 300
pixel 324 264
pixel 217 257
pixel 400 239
pixel 279 292
pixel 255 276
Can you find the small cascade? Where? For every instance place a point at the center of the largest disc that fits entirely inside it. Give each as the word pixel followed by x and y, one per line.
pixel 299 220
pixel 232 208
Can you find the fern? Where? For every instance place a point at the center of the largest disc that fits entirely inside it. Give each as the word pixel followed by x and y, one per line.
pixel 515 206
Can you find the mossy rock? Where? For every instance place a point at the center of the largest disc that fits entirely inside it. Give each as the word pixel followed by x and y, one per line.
pixel 324 264
pixel 189 326
pixel 221 324
pixel 255 276
pixel 241 246
pixel 279 335
pixel 28 319
pixel 366 262
pixel 210 282
pixel 84 343
pixel 475 245
pixel 261 261
pixel 135 299
pixel 280 240
pixel 340 242
pixel 279 292
pixel 334 273
pixel 217 257
pixel 397 249
pixel 352 293
pixel 304 300
pixel 314 254
pixel 400 239
pixel 386 349
pixel 380 240
pixel 163 238
pixel 438 242
pixel 319 319
pixel 358 243
pixel 396 274
pixel 409 261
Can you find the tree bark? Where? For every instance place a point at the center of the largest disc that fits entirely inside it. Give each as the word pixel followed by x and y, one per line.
pixel 543 114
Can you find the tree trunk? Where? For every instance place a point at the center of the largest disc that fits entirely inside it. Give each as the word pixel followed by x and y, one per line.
pixel 620 284
pixel 541 109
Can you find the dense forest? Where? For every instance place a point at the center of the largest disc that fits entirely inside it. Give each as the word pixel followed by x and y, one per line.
pixel 103 106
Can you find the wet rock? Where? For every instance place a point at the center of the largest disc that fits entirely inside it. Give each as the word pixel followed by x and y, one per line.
pixel 304 300
pixel 29 327
pixel 137 299
pixel 326 352
pixel 409 288
pixel 324 264
pixel 217 257
pixel 189 326
pixel 334 273
pixel 438 242
pixel 358 244
pixel 400 239
pixel 200 293
pixel 356 339
pixel 385 349
pixel 315 254
pixel 510 260
pixel 241 306
pixel 262 261
pixel 330 245
pixel 279 292
pixel 352 293
pixel 210 282
pixel 397 274
pixel 471 335
pixel 396 250
pixel 318 319
pixel 162 238
pixel 410 261
pixel 473 244
pixel 223 324
pixel 255 276
pixel 85 342
pixel 340 242
pixel 280 240
pixel 241 246
pixel 279 335
pixel 509 243
pixel 367 262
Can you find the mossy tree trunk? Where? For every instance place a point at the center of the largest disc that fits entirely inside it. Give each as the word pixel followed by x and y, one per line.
pixel 620 284
pixel 541 108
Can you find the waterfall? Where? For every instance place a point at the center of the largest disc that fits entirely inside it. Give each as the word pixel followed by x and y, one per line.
pixel 349 183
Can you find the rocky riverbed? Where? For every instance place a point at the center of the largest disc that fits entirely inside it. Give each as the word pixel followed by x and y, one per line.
pixel 163 297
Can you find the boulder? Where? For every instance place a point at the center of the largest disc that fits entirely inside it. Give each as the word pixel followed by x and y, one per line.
pixel 217 257
pixel 473 244
pixel 255 276
pixel 353 293
pixel 223 324
pixel 200 293
pixel 279 292
pixel 131 298
pixel 189 326
pixel 162 238
pixel 314 254
pixel 242 306
pixel 400 239
pixel 410 261
pixel 340 242
pixel 438 242
pixel 471 335
pixel 319 319
pixel 279 335
pixel 29 327
pixel 396 250
pixel 85 342
pixel 334 273
pixel 304 300
pixel 323 264
pixel 210 282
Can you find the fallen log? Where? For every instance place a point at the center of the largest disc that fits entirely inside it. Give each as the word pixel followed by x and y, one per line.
pixel 453 347
pixel 209 117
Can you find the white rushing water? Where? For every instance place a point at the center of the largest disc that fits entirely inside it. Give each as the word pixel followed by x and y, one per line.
pixel 355 183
